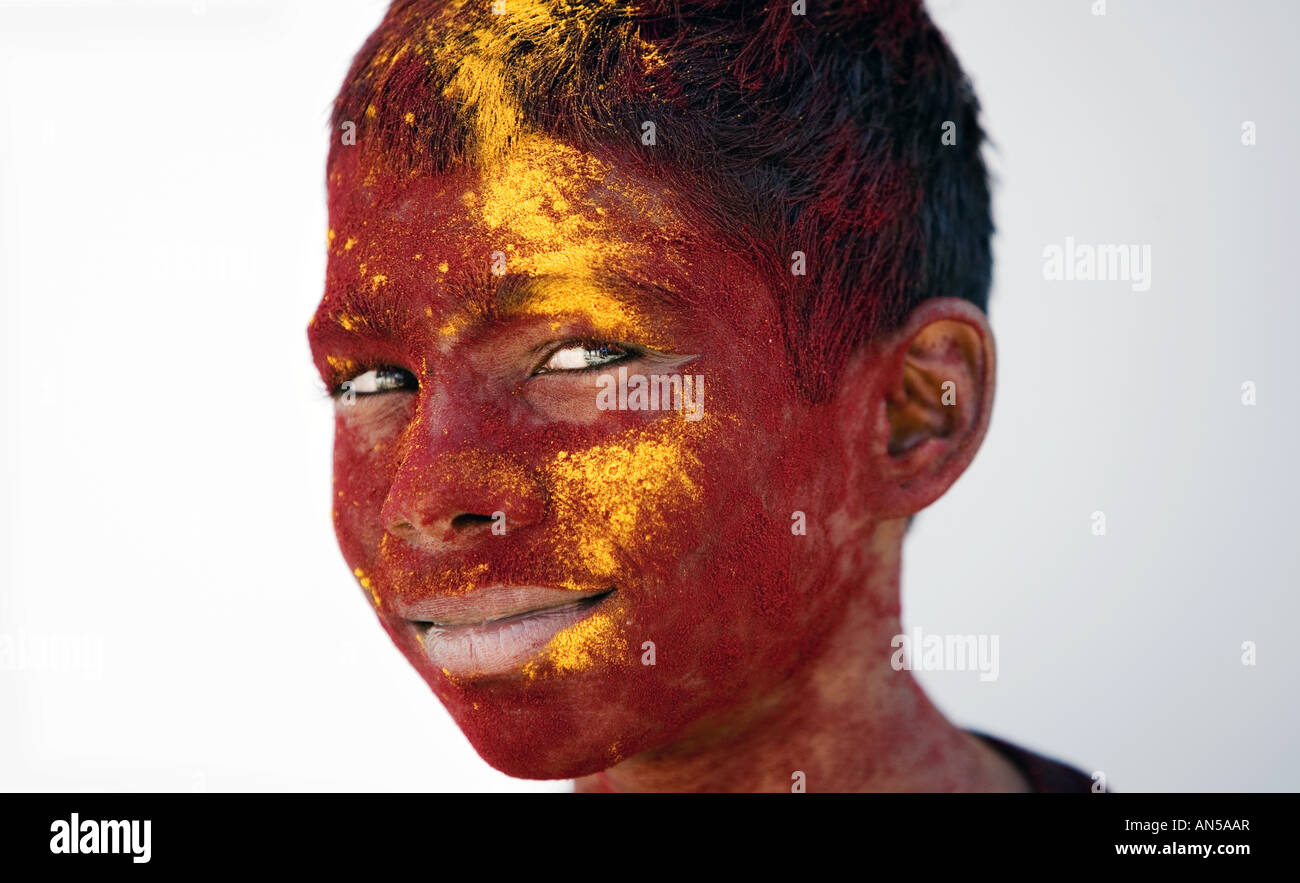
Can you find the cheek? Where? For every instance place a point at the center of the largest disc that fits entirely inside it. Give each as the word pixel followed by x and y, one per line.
pixel 748 593
pixel 365 461
pixel 737 566
pixel 629 504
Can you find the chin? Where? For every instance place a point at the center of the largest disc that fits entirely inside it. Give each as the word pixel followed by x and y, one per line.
pixel 563 727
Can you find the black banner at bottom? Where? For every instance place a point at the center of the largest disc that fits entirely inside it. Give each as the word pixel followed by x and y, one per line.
pixel 423 832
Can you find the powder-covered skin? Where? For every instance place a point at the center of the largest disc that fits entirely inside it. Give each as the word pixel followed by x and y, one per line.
pixel 675 514
pixel 770 646
pixel 689 521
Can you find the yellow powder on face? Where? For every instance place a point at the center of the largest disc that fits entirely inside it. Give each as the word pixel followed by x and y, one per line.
pixel 378 280
pixel 578 298
pixel 581 645
pixel 627 494
pixel 540 204
pixel 539 197
pixel 622 494
pixel 573 299
pixel 341 365
pixel 529 199
pixel 347 246
pixel 369 587
pixel 536 203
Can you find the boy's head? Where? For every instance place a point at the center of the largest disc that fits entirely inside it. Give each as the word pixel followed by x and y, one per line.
pixel 554 228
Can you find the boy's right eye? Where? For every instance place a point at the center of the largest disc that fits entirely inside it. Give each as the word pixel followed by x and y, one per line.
pixel 379 380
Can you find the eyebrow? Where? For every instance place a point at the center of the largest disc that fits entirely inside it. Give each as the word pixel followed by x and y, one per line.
pixel 516 293
pixel 356 317
pixel 360 313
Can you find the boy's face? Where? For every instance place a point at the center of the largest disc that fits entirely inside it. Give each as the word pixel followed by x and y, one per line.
pixel 529 551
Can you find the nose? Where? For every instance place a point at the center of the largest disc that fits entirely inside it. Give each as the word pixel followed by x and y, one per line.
pixel 440 500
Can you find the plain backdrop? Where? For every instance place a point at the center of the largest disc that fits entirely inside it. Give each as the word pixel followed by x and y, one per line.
pixel 176 611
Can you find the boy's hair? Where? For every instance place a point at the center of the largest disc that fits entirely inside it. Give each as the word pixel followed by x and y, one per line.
pixel 848 133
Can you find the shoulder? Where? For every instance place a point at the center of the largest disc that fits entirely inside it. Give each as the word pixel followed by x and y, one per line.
pixel 1045 776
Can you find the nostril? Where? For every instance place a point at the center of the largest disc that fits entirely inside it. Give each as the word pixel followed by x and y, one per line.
pixel 469 519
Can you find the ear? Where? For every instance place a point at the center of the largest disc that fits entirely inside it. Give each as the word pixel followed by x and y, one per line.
pixel 928 389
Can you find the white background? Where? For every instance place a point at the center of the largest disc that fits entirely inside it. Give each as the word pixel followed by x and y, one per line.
pixel 166 441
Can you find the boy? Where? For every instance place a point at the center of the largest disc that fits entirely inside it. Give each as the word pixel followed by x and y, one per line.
pixel 554 228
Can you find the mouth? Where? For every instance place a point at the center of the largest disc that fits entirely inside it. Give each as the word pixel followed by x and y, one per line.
pixel 495 631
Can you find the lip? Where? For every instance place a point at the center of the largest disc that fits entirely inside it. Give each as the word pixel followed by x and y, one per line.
pixel 496 630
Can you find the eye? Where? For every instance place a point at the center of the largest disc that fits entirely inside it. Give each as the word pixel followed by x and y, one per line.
pixel 378 380
pixel 583 356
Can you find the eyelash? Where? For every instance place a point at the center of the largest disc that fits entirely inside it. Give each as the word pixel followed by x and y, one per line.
pixel 412 383
pixel 629 352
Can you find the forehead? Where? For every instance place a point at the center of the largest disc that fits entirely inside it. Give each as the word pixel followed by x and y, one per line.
pixel 544 210
pixel 560 232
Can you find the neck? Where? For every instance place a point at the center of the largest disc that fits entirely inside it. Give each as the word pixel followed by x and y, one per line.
pixel 848 721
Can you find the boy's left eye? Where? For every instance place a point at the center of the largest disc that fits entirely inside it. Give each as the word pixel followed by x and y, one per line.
pixel 581 356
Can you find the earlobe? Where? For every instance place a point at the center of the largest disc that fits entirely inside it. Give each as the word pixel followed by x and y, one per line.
pixel 935 386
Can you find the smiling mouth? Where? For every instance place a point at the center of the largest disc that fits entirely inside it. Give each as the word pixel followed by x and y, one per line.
pixel 495 631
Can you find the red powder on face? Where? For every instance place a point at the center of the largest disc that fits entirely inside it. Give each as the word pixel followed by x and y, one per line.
pixel 690 522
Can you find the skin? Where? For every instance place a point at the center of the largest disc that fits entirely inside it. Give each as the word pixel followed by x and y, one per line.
pixel 771 648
